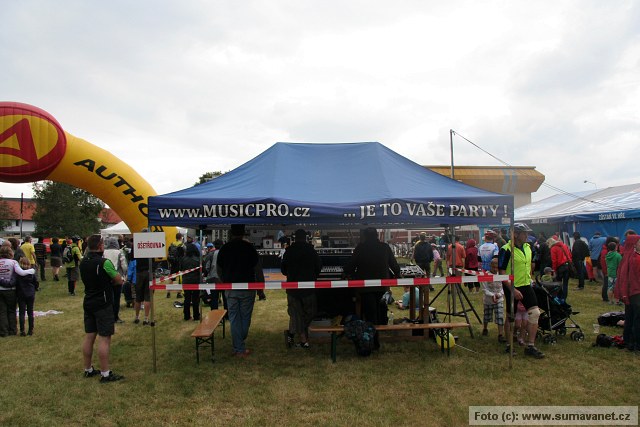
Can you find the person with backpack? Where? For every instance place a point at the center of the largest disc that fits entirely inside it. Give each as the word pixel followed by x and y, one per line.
pixel 117 257
pixel 98 275
pixel 174 254
pixel 71 258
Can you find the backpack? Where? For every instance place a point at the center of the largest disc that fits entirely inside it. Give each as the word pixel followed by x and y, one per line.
pixel 423 252
pixel 67 255
pixel 175 253
pixel 363 336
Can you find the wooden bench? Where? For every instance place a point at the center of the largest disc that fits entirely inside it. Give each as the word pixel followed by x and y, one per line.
pixel 205 330
pixel 442 329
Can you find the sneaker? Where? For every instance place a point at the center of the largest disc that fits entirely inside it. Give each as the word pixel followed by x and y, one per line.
pixel 91 373
pixel 303 345
pixel 179 295
pixel 485 332
pixel 111 378
pixel 288 339
pixel 136 321
pixel 580 288
pixel 119 320
pixel 168 294
pixel 22 334
pixel 508 350
pixel 145 322
pixel 534 352
pixel 501 339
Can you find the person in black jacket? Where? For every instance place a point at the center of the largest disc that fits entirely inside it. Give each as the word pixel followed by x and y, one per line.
pixel 98 275
pixel 579 251
pixel 372 259
pixel 238 262
pixel 190 261
pixel 300 263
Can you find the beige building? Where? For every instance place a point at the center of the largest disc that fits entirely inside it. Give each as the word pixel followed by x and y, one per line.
pixel 519 181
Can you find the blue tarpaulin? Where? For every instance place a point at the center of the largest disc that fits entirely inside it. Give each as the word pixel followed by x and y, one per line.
pixel 342 184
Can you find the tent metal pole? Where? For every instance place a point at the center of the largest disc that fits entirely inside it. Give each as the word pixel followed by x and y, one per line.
pixel 451 132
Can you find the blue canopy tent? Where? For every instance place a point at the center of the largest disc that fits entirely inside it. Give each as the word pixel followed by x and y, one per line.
pixel 611 211
pixel 338 185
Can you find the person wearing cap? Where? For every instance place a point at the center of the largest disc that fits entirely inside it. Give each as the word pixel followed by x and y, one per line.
pixel 488 250
pixel 73 274
pixel 579 251
pixel 300 263
pixel 548 275
pixel 238 262
pixel 560 260
pixel 520 288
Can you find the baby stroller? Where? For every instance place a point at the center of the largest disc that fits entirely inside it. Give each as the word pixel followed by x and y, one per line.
pixel 555 313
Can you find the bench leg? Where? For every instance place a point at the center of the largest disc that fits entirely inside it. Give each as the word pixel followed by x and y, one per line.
pixel 334 346
pixel 212 341
pixel 197 350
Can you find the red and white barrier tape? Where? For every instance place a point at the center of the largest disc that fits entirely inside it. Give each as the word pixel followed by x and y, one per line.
pixel 474 272
pixel 329 284
pixel 174 275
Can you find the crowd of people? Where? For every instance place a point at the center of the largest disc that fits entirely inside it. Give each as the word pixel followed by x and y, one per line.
pixel 108 268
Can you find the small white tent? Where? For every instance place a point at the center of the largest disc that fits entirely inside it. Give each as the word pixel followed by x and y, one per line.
pixel 119 228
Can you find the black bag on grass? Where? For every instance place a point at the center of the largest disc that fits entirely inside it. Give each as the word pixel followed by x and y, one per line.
pixel 362 334
pixel 611 318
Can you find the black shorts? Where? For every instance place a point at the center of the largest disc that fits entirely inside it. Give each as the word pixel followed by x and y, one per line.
pixel 528 297
pixel 101 321
pixel 142 286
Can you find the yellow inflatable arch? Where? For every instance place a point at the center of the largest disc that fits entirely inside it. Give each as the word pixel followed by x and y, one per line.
pixel 34 147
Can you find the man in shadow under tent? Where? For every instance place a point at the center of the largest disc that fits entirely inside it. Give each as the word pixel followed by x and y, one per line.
pixel 372 259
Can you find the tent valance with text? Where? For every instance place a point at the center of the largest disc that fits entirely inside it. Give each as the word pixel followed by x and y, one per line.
pixel 342 184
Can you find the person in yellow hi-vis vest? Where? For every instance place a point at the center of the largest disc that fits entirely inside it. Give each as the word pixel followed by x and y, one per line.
pixel 521 286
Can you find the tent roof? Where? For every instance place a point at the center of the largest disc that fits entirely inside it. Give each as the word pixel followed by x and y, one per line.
pixel 330 184
pixel 621 202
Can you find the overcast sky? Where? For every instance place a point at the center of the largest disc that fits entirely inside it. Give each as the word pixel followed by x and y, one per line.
pixel 179 88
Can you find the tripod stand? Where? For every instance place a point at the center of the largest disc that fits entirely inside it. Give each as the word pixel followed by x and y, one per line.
pixel 455 294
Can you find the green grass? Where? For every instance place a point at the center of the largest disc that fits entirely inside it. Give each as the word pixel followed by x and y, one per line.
pixel 405 383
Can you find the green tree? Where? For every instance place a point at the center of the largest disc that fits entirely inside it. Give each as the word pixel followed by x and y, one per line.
pixel 207 176
pixel 63 210
pixel 5 214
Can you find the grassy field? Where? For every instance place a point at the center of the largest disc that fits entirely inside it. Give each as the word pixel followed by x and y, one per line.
pixel 405 383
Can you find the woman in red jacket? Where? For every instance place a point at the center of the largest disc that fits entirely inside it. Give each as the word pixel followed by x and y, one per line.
pixel 628 290
pixel 560 259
